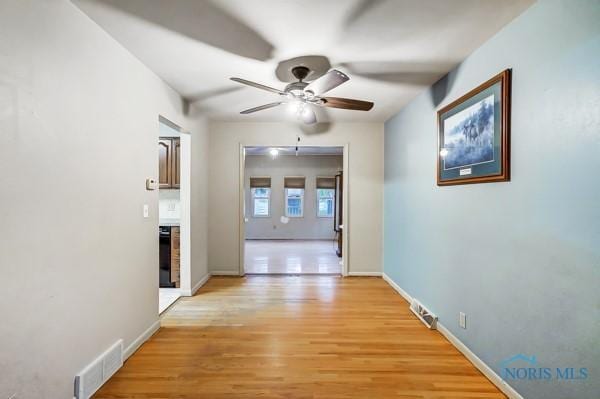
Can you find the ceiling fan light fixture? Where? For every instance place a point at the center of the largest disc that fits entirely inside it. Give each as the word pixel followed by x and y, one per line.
pixel 305 112
pixel 295 106
pixel 307 116
pixel 302 96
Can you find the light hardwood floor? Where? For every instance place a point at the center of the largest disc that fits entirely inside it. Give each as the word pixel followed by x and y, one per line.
pixel 291 257
pixel 296 337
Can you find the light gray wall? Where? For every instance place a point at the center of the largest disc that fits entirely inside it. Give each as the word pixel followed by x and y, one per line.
pixel 522 259
pixel 365 202
pixel 307 227
pixel 79 263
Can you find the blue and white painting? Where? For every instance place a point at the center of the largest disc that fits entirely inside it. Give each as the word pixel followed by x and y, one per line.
pixel 469 135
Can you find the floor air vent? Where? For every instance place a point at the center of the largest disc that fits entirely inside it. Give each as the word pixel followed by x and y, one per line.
pixel 428 318
pixel 99 371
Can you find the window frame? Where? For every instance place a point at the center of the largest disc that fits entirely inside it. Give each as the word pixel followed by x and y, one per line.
pixel 254 198
pixel 301 202
pixel 332 199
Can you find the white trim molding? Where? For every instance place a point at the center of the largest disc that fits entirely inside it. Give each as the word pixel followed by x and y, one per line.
pixel 139 341
pixel 458 344
pixel 134 346
pixel 395 286
pixel 186 217
pixel 477 362
pixel 364 274
pixel 197 286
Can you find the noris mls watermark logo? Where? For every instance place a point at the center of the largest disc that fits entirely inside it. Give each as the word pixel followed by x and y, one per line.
pixel 522 367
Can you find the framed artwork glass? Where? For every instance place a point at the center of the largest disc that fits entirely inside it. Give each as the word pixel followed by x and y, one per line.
pixel 473 135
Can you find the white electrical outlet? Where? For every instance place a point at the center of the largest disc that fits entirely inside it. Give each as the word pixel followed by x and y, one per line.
pixel 462 320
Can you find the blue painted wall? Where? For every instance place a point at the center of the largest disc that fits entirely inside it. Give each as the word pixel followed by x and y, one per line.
pixel 521 259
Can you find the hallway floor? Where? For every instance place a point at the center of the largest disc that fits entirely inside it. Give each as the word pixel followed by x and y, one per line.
pixel 291 257
pixel 276 337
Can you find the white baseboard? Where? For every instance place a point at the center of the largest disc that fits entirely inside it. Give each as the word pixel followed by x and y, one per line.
pixel 224 273
pixel 365 274
pixel 477 362
pixel 395 286
pixel 130 350
pixel 196 287
pixel 458 344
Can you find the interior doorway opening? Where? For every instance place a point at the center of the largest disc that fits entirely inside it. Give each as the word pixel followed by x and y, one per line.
pixel 174 166
pixel 292 210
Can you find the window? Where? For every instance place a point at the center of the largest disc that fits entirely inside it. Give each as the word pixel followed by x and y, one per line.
pixel 325 197
pixel 294 201
pixel 261 202
pixel 260 190
pixel 294 196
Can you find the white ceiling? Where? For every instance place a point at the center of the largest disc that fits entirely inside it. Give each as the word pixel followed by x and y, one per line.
pixel 391 49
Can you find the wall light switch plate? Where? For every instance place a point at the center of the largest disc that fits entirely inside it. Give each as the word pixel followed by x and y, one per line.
pixel 146 211
pixel 462 320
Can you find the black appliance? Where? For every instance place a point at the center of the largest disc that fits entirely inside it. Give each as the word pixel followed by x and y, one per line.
pixel 165 257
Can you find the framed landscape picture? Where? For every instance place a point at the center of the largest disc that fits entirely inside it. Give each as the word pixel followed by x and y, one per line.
pixel 473 135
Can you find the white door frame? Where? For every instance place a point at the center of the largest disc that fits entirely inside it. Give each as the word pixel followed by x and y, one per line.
pixel 345 196
pixel 185 224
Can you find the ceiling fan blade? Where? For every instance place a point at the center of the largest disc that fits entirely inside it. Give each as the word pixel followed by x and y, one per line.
pixel 330 80
pixel 258 85
pixel 347 103
pixel 260 108
pixel 308 116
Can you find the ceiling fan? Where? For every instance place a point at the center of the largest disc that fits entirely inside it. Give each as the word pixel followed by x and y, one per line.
pixel 301 95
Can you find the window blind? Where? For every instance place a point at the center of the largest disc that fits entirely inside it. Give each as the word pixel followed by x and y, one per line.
pixel 260 182
pixel 325 182
pixel 294 182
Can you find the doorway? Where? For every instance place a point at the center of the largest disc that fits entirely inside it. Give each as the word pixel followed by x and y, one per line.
pixel 292 210
pixel 174 166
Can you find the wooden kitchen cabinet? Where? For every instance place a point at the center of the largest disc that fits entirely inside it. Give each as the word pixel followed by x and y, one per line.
pixel 169 169
pixel 176 162
pixel 164 163
pixel 175 256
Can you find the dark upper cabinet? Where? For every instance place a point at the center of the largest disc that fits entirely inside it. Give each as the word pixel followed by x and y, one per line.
pixel 165 162
pixel 169 150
